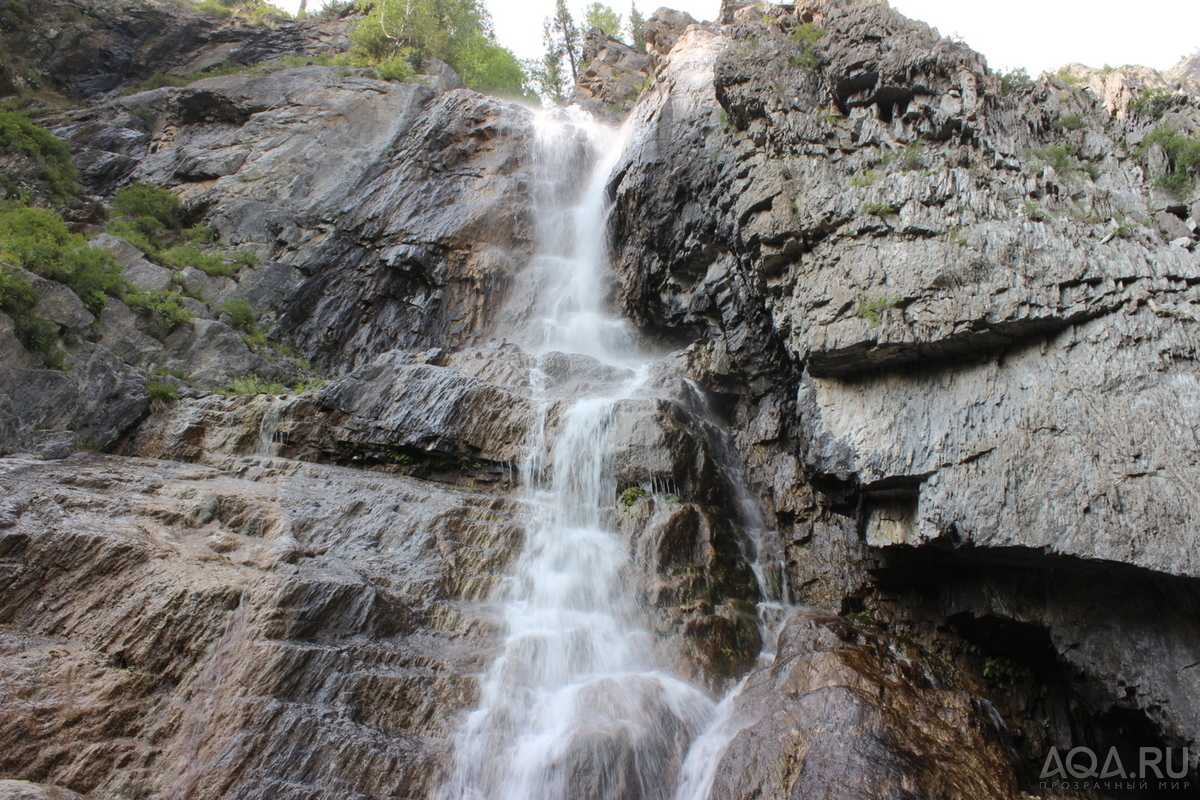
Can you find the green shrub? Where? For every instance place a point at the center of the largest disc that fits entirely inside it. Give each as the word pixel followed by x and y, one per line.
pixel 806 37
pixel 1015 81
pixel 184 256
pixel 163 310
pixel 1031 209
pixel 867 178
pixel 240 315
pixel 395 68
pixel 38 240
pixel 52 156
pixel 1183 159
pixel 199 234
pixel 144 233
pixel 18 299
pixel 162 390
pixel 631 495
pixel 41 336
pixel 878 209
pixel 1060 156
pixel 17 295
pixel 910 157
pixel 142 200
pixel 245 258
pixel 1153 103
pixel 1072 122
pixel 487 67
pixel 458 32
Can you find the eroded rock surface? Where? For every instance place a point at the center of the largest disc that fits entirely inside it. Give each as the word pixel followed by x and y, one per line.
pixel 241 630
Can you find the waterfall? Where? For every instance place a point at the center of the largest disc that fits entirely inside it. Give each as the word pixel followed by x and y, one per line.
pixel 579 704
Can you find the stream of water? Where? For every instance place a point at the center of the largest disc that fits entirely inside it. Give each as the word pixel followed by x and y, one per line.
pixel 577 705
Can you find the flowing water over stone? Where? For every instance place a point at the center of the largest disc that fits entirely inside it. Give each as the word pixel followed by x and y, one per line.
pixel 580 703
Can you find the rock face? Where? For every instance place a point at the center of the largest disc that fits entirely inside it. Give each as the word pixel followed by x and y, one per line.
pixel 946 310
pixel 355 255
pixel 858 721
pixel 256 620
pixel 929 342
pixel 85 50
pixel 613 76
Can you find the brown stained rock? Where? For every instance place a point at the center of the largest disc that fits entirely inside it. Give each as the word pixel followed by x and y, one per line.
pixel 612 76
pixel 839 714
pixel 663 29
pixel 323 646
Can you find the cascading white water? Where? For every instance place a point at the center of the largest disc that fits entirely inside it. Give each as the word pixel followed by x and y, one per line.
pixel 577 705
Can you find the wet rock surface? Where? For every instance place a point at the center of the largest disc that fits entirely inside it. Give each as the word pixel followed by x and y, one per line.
pixel 842 713
pixel 202 631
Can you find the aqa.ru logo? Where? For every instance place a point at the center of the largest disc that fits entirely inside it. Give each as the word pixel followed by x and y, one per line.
pixel 1157 767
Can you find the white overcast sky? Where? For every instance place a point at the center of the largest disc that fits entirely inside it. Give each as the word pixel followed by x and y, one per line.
pixel 1038 35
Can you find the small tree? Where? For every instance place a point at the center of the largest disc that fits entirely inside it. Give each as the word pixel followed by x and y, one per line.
pixel 565 37
pixel 548 78
pixel 636 33
pixel 601 16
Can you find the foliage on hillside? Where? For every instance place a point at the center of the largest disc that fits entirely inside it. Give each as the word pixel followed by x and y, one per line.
pixel 33 163
pixel 458 32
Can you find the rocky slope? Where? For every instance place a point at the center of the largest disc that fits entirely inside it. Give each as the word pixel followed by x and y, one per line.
pixel 948 320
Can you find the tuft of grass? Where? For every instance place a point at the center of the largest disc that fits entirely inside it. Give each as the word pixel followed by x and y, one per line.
pixel 17 295
pixel 240 316
pixel 1071 122
pixel 249 384
pixel 18 298
pixel 872 308
pixel 142 200
pixel 878 209
pixel 396 68
pixel 144 233
pixel 867 178
pixel 184 256
pixel 911 157
pixel 1031 209
pixel 50 158
pixel 41 336
pixel 1060 156
pixel 162 390
pixel 163 311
